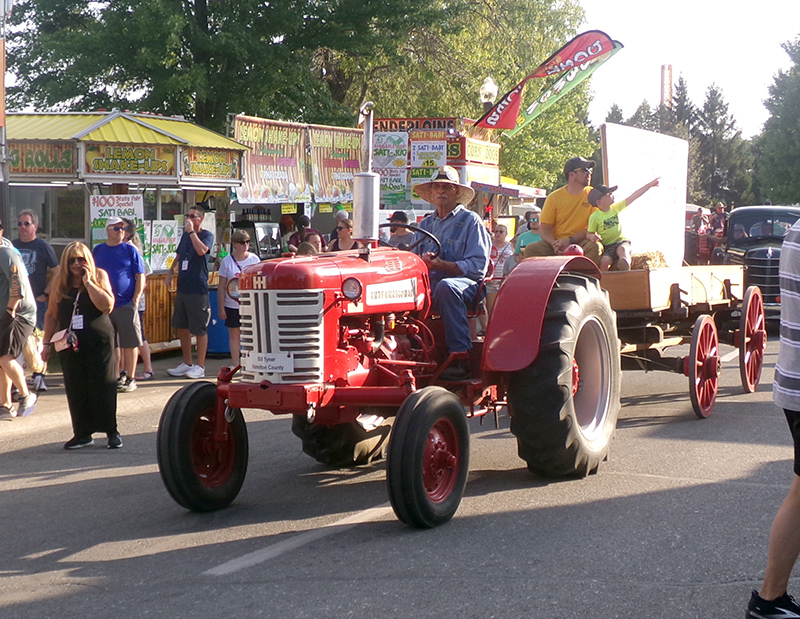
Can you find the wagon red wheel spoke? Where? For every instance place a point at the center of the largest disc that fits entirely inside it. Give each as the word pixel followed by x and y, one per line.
pixel 752 339
pixel 704 366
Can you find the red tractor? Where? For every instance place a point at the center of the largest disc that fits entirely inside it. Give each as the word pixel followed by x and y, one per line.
pixel 347 345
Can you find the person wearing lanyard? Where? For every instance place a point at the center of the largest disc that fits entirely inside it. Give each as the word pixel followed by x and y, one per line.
pixel 228 306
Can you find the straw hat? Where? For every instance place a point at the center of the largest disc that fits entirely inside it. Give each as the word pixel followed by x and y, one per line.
pixel 445 174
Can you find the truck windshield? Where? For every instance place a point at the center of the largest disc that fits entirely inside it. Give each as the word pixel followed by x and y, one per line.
pixel 755 226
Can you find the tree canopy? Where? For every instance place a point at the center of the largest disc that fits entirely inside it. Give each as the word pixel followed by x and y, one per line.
pixel 779 143
pixel 303 60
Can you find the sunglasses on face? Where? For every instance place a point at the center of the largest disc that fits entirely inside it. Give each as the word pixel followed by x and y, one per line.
pixel 194 217
pixel 242 242
pixel 117 228
pixel 78 259
pixel 24 224
pixel 342 228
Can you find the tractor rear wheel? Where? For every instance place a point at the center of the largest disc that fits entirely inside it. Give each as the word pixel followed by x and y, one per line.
pixel 428 459
pixel 201 473
pixel 564 406
pixel 342 445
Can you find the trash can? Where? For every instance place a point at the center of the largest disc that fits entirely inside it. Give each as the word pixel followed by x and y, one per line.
pixel 218 342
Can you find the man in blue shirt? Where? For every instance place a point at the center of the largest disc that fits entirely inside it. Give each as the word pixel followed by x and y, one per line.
pixel 192 310
pixel 125 268
pixel 464 260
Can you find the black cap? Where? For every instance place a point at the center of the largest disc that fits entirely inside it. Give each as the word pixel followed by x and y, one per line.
pixel 399 216
pixel 576 163
pixel 598 192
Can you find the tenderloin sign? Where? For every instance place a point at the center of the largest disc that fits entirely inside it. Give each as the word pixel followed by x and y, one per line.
pixel 584 47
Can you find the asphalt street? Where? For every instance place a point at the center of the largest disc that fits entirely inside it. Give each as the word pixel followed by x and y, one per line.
pixel 674 524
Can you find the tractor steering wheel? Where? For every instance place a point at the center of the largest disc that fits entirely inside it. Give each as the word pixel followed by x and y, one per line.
pixel 425 233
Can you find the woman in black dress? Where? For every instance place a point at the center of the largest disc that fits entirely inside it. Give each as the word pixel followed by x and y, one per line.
pixel 81 296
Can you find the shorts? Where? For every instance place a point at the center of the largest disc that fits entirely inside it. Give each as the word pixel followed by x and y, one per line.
pixel 191 311
pixel 126 326
pixel 793 418
pixel 141 324
pixel 14 333
pixel 611 250
pixel 232 318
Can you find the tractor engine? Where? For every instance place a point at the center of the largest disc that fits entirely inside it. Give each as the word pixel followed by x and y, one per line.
pixel 333 321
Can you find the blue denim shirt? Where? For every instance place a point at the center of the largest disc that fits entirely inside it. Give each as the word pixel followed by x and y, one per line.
pixel 464 240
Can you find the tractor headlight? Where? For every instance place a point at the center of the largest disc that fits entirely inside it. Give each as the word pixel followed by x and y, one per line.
pixel 352 289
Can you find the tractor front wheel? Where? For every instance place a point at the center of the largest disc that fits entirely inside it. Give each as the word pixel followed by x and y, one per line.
pixel 202 472
pixel 564 406
pixel 428 459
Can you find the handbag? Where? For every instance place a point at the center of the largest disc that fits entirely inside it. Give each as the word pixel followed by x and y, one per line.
pixel 66 338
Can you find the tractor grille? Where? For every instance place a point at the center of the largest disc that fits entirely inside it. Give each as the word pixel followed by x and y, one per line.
pixel 762 271
pixel 283 321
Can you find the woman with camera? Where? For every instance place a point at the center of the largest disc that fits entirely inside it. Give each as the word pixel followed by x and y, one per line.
pixel 78 326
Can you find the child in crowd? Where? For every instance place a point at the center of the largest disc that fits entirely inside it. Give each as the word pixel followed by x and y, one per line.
pixel 531 235
pixel 604 225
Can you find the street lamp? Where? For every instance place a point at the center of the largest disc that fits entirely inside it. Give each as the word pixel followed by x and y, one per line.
pixel 488 94
pixel 5 13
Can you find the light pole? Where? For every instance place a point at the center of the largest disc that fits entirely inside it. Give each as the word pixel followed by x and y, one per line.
pixel 5 13
pixel 488 94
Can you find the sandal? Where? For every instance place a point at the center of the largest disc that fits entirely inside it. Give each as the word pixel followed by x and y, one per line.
pixel 145 376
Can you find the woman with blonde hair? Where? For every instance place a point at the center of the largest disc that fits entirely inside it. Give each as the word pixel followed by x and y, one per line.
pixel 227 296
pixel 80 302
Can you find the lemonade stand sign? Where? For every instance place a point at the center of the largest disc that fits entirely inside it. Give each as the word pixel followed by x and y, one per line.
pixel 163 244
pixel 103 208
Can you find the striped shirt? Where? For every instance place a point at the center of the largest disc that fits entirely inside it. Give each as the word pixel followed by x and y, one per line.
pixel 786 386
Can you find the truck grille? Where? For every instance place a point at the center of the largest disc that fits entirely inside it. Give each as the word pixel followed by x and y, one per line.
pixel 763 272
pixel 282 321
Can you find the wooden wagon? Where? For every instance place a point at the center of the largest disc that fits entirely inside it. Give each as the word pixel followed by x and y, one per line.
pixel 697 305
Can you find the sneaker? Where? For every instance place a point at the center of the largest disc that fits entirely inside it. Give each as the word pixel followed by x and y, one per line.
pixel 114 441
pixel 77 442
pixel 38 382
pixel 26 405
pixel 196 371
pixel 181 370
pixel 5 412
pixel 127 386
pixel 783 607
pixel 123 376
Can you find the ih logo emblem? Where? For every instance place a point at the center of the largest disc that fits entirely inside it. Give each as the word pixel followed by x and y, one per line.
pixel 259 282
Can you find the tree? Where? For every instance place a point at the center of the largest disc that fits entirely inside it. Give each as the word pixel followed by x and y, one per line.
pixel 779 143
pixel 643 118
pixel 201 58
pixel 615 115
pixel 725 163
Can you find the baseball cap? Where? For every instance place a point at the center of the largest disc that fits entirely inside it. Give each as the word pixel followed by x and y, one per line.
pixel 113 221
pixel 598 192
pixel 399 216
pixel 576 163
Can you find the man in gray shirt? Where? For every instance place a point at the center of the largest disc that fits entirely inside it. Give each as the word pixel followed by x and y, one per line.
pixel 16 325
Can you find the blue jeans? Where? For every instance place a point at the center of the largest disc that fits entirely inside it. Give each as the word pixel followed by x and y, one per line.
pixel 450 299
pixel 41 308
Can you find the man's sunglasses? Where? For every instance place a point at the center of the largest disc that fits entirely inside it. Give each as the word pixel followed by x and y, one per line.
pixel 24 224
pixel 117 228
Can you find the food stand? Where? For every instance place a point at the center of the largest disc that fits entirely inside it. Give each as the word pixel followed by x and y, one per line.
pixel 76 169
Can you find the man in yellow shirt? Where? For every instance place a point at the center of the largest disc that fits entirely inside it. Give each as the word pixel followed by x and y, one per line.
pixel 565 215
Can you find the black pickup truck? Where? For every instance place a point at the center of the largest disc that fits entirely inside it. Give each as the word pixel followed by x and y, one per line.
pixel 755 236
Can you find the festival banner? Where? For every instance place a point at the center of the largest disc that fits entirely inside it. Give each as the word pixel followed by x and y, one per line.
pixel 561 87
pixel 584 47
pixel 390 149
pixel 275 169
pixel 335 159
pixel 210 163
pixel 102 208
pixel 124 159
pixel 50 158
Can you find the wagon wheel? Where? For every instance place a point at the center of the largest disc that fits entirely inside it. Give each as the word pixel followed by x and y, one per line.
pixel 200 472
pixel 428 459
pixel 752 338
pixel 702 366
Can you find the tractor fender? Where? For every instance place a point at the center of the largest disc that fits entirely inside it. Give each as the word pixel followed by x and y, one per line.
pixel 515 326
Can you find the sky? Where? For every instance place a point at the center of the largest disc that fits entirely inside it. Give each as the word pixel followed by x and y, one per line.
pixel 735 45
